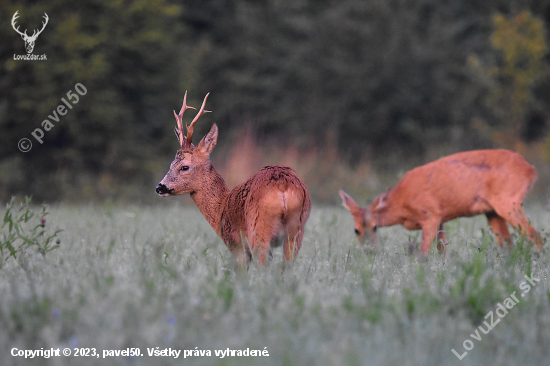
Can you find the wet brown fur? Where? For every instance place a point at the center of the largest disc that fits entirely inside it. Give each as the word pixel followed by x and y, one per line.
pixel 493 182
pixel 269 209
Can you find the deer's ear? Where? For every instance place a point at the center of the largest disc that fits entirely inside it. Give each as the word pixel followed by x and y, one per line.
pixel 349 203
pixel 381 201
pixel 209 141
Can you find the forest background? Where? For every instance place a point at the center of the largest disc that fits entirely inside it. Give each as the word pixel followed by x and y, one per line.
pixel 349 93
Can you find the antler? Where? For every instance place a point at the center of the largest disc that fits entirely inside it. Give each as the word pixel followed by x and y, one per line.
pixel 43 26
pixel 179 127
pixel 15 16
pixel 189 128
pixel 35 34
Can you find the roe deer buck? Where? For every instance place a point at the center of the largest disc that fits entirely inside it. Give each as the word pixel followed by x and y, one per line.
pixel 493 182
pixel 268 209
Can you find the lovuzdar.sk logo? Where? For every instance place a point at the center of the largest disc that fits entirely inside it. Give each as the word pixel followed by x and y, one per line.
pixel 29 40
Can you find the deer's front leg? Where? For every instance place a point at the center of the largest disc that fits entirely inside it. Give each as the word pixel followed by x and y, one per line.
pixel 429 233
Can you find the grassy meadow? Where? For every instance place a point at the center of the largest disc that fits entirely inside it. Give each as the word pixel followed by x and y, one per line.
pixel 158 276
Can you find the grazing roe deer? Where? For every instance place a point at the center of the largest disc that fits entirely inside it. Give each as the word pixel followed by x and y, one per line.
pixel 493 182
pixel 268 209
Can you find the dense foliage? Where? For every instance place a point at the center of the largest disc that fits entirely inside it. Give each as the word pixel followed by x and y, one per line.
pixel 392 82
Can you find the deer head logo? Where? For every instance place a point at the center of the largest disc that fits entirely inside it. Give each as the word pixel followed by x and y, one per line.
pixel 29 40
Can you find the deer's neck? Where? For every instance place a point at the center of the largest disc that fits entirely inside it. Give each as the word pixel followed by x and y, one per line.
pixel 387 216
pixel 211 198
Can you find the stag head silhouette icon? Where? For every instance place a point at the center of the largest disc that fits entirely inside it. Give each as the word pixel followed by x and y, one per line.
pixel 29 40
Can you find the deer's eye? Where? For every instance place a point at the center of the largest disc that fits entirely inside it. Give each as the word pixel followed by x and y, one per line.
pixel 184 168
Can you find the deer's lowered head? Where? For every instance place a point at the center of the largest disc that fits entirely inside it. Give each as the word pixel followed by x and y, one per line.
pixel 29 40
pixel 364 222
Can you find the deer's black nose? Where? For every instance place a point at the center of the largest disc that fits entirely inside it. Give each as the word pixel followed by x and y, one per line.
pixel 162 189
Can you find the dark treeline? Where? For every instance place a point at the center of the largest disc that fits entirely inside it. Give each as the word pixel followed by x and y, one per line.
pixel 392 82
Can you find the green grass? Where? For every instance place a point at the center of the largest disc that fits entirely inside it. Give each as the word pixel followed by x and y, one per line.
pixel 159 277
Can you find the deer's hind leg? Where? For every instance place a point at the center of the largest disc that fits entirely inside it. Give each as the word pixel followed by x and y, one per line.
pixel 294 228
pixel 292 245
pixel 263 236
pixel 260 247
pixel 243 258
pixel 441 241
pixel 515 216
pixel 500 229
pixel 290 237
